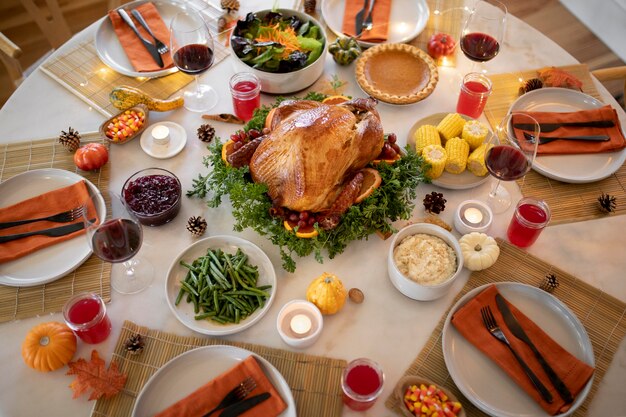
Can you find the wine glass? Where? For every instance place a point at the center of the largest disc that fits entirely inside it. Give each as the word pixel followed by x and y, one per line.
pixel 192 52
pixel 510 156
pixel 117 240
pixel 483 32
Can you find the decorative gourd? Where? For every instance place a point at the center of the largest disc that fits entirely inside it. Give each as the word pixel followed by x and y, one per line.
pixel 441 44
pixel 327 293
pixel 344 50
pixel 125 97
pixel 49 346
pixel 479 251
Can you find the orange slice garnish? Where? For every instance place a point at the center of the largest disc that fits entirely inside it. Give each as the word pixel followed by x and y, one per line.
pixel 227 149
pixel 303 232
pixel 335 99
pixel 268 118
pixel 371 181
pixel 389 161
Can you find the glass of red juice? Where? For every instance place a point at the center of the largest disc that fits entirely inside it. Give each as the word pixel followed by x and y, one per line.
pixel 475 90
pixel 362 383
pixel 530 217
pixel 86 315
pixel 245 88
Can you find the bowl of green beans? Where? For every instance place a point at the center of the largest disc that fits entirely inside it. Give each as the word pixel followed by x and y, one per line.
pixel 220 285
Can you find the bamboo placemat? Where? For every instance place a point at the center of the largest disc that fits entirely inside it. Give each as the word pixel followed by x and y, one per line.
pixel 81 71
pixel 94 275
pixel 315 381
pixel 568 202
pixel 602 315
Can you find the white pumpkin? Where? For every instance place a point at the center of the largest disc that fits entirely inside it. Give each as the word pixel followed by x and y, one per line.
pixel 479 251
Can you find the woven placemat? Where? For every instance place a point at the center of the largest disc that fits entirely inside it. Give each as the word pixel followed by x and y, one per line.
pixel 568 202
pixel 94 275
pixel 315 381
pixel 602 315
pixel 81 71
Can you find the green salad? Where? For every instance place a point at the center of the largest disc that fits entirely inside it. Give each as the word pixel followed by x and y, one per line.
pixel 277 43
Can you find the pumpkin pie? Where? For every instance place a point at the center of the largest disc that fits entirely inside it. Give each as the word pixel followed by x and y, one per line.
pixel 397 73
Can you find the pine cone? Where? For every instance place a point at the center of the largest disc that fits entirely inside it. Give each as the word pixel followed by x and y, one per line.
pixel 230 4
pixel 549 283
pixel 206 133
pixel 607 202
pixel 434 202
pixel 70 139
pixel 196 225
pixel 530 85
pixel 309 6
pixel 134 344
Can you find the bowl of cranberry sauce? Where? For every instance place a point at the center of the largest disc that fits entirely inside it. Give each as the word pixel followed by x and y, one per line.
pixel 153 195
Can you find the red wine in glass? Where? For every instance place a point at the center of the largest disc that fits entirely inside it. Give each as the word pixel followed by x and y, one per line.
pixel 479 47
pixel 506 163
pixel 193 58
pixel 117 240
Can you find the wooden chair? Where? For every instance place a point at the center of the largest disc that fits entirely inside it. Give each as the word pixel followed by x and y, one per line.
pixel 50 20
pixel 9 54
pixel 612 74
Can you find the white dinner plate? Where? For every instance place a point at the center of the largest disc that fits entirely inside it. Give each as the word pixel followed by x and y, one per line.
pixel 110 49
pixel 407 19
pixel 486 385
pixel 186 373
pixel 462 181
pixel 53 262
pixel 184 311
pixel 581 168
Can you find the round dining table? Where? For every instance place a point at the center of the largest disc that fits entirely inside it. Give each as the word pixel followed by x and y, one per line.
pixel 387 327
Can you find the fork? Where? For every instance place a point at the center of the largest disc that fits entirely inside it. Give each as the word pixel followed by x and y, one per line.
pixel 490 323
pixel 367 23
pixel 237 394
pixel 161 47
pixel 544 139
pixel 63 217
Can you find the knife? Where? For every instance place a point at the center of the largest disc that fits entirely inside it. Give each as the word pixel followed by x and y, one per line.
pixel 549 127
pixel 358 20
pixel 243 406
pixel 149 46
pixel 54 232
pixel 546 139
pixel 518 332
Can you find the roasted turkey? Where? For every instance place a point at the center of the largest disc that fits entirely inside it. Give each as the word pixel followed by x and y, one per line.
pixel 314 150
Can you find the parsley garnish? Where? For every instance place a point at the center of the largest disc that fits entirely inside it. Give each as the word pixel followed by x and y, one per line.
pixel 392 201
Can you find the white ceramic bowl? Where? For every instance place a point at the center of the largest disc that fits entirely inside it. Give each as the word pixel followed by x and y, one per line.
pixel 411 288
pixel 286 82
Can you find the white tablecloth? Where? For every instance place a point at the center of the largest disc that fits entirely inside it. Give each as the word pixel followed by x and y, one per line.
pixel 591 250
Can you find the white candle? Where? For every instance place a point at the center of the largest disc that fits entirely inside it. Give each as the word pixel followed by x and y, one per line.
pixel 161 134
pixel 300 324
pixel 473 215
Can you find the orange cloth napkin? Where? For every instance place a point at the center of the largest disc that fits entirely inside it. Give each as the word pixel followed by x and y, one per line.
pixel 380 18
pixel 616 143
pixel 135 50
pixel 207 397
pixel 573 372
pixel 44 205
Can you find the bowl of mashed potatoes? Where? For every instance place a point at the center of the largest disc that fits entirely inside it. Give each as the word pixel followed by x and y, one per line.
pixel 424 261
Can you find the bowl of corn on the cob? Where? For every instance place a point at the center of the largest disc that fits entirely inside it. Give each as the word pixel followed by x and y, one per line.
pixel 455 146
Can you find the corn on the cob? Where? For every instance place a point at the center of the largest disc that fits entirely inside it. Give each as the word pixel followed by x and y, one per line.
pixel 426 135
pixel 474 133
pixel 435 155
pixel 451 126
pixel 476 161
pixel 457 150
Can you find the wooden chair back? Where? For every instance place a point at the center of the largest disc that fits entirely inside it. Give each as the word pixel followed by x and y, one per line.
pixel 612 74
pixel 9 54
pixel 50 20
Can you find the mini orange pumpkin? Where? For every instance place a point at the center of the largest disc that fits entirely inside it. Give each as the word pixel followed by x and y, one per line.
pixel 49 346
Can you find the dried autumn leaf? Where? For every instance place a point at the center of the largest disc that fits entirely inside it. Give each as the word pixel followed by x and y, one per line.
pixel 94 376
pixel 555 77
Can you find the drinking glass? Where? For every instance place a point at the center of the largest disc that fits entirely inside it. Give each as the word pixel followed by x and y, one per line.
pixel 192 52
pixel 483 32
pixel 362 383
pixel 117 240
pixel 510 157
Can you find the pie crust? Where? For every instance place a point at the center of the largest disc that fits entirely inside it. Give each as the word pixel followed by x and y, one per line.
pixel 397 73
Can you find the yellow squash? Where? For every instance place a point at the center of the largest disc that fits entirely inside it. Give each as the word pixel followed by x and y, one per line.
pixel 125 97
pixel 49 346
pixel 327 293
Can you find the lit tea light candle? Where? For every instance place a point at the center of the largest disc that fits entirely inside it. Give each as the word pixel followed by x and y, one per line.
pixel 473 215
pixel 161 134
pixel 300 324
